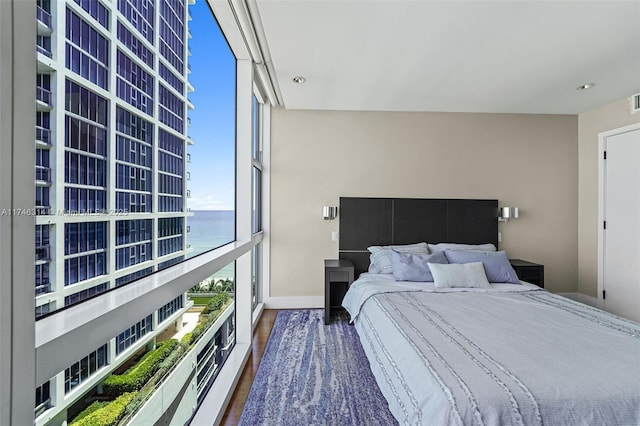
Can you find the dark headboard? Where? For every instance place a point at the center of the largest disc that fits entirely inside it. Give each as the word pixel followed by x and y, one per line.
pixel 366 222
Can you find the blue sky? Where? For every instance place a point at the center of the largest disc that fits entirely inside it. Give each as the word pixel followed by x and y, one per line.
pixel 212 128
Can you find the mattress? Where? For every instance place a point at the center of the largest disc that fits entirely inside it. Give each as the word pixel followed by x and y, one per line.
pixel 506 355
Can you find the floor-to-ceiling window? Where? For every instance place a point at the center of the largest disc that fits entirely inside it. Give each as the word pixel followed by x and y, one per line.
pixel 135 173
pixel 114 198
pixel 256 188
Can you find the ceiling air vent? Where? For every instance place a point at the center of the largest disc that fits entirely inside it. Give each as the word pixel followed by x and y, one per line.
pixel 635 103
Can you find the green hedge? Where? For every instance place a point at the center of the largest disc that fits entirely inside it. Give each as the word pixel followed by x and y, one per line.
pixel 90 409
pixel 104 415
pixel 186 340
pixel 211 312
pixel 216 303
pixel 135 377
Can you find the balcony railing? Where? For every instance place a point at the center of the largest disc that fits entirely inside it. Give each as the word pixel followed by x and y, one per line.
pixel 43 16
pixel 43 95
pixel 42 407
pixel 42 210
pixel 43 135
pixel 44 51
pixel 43 174
pixel 42 253
pixel 165 390
pixel 43 287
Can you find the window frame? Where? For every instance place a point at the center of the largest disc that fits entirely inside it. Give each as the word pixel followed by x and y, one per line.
pixel 18 69
pixel 64 333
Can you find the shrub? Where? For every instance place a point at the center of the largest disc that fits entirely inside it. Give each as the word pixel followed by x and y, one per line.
pixel 211 312
pixel 107 415
pixel 186 340
pixel 90 409
pixel 198 330
pixel 135 377
pixel 216 303
pixel 137 402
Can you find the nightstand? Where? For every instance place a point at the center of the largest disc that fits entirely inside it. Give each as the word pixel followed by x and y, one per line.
pixel 528 271
pixel 338 276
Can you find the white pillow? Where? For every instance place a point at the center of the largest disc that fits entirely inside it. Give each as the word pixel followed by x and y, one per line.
pixel 380 259
pixel 459 275
pixel 454 246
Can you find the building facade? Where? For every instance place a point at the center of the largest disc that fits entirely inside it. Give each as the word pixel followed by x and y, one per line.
pixel 111 169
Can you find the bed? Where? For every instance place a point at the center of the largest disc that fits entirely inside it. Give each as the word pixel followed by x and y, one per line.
pixel 499 354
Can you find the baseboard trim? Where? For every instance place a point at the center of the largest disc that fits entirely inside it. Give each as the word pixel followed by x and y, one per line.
pixel 583 298
pixel 296 302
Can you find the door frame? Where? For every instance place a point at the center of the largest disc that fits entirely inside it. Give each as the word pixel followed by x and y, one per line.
pixel 602 137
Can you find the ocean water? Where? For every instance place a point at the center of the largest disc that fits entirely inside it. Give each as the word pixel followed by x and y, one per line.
pixel 210 229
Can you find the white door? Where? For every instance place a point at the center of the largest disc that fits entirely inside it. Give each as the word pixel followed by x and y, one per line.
pixel 621 263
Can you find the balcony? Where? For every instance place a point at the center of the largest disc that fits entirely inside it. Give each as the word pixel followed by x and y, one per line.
pixel 42 407
pixel 44 51
pixel 42 287
pixel 188 158
pixel 188 121
pixel 42 253
pixel 61 338
pixel 190 104
pixel 41 209
pixel 173 391
pixel 203 359
pixel 43 136
pixel 43 174
pixel 44 20
pixel 43 96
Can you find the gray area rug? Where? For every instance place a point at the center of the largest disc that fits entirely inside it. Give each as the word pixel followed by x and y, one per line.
pixel 314 374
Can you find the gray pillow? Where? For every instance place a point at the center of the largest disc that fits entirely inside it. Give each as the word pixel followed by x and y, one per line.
pixel 470 275
pixel 414 266
pixel 380 259
pixel 496 264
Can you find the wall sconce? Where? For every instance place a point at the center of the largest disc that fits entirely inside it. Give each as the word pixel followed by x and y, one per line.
pixel 506 213
pixel 329 213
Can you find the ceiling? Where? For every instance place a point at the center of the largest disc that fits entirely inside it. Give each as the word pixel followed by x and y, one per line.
pixel 463 56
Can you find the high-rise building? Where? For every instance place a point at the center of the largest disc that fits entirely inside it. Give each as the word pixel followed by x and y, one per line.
pixel 111 156
pixel 111 144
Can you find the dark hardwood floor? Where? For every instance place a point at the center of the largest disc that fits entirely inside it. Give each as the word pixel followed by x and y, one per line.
pixel 260 338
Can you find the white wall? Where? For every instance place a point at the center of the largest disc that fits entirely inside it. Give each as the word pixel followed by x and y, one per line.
pixel 529 161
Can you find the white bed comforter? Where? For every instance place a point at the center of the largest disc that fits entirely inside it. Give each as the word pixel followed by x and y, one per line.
pixel 508 355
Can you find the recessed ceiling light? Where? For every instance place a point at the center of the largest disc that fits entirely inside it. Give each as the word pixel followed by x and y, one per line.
pixel 299 79
pixel 585 86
